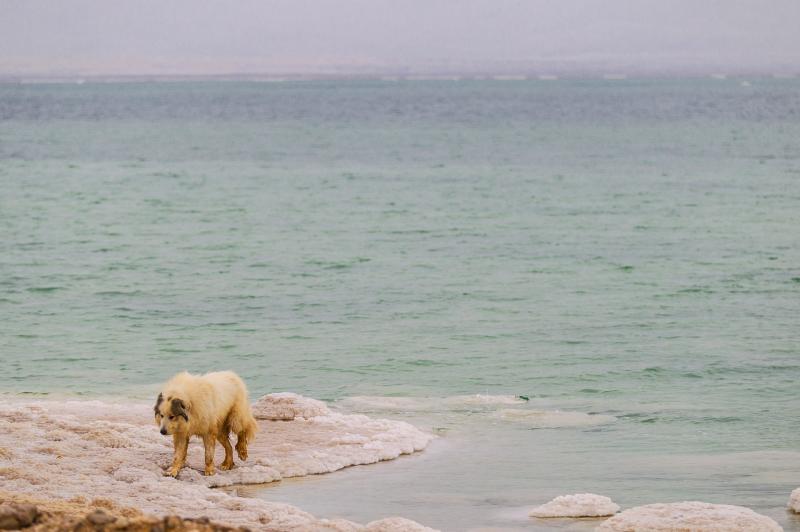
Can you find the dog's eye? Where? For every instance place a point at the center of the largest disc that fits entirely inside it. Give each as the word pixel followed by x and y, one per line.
pixel 172 417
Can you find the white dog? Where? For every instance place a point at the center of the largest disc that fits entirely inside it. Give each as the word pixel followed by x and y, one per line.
pixel 210 406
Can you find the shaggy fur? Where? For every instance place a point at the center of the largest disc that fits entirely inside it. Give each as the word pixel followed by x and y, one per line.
pixel 210 406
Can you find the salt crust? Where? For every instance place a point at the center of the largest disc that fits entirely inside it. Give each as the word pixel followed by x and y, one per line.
pixel 794 501
pixel 691 516
pixel 93 449
pixel 287 406
pixel 577 505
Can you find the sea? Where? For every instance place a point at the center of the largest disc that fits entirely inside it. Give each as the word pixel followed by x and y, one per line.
pixel 576 285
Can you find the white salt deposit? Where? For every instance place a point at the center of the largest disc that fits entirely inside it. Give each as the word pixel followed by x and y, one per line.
pixel 690 515
pixel 794 501
pixel 396 524
pixel 577 505
pixel 287 406
pixel 93 449
pixel 548 419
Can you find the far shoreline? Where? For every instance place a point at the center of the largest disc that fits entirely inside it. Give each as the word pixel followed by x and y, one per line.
pixel 12 79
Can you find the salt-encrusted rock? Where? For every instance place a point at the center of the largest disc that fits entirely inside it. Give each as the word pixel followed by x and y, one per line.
pixel 332 525
pixel 100 517
pixel 396 524
pixel 61 515
pixel 577 505
pixel 287 406
pixel 692 516
pixel 14 516
pixel 794 501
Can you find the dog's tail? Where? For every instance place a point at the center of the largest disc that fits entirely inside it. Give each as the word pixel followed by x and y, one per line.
pixel 242 422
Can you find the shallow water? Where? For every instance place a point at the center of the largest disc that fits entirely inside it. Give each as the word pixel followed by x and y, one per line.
pixel 626 249
pixel 487 474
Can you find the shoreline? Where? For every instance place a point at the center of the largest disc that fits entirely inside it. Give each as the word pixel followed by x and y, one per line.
pixel 35 514
pixel 93 451
pixel 73 457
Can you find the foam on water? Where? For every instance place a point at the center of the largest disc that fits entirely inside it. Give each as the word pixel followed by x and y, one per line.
pixel 553 419
pixel 475 407
pixel 372 403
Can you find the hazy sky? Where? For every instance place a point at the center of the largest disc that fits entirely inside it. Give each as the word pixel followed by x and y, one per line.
pixel 215 36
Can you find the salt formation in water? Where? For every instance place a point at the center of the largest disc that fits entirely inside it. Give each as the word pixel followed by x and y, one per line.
pixel 794 501
pixel 690 515
pixel 93 449
pixel 428 404
pixel 482 400
pixel 396 524
pixel 551 419
pixel 286 406
pixel 490 405
pixel 578 505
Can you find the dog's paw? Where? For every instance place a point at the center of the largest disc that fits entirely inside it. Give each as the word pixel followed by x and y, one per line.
pixel 172 472
pixel 241 449
pixel 209 471
pixel 225 466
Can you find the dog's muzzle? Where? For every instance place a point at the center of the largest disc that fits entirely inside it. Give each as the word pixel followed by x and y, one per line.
pixel 163 431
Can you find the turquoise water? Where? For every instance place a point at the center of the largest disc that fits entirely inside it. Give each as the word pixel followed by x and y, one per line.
pixel 624 248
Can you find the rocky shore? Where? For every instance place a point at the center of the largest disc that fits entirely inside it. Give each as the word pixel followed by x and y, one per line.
pixel 20 512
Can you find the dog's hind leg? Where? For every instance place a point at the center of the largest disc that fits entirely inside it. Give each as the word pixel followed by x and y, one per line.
pixel 209 442
pixel 223 439
pixel 241 445
pixel 242 424
pixel 180 443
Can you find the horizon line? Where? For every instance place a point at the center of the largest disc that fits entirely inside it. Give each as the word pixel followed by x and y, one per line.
pixel 594 75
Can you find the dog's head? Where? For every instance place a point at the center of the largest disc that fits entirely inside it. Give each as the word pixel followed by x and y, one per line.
pixel 172 414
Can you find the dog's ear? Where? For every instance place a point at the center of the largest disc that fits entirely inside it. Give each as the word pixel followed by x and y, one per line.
pixel 178 408
pixel 158 403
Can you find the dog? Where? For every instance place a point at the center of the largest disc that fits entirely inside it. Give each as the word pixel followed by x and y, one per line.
pixel 210 406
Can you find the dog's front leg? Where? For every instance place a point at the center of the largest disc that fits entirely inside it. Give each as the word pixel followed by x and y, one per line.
pixel 180 443
pixel 209 442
